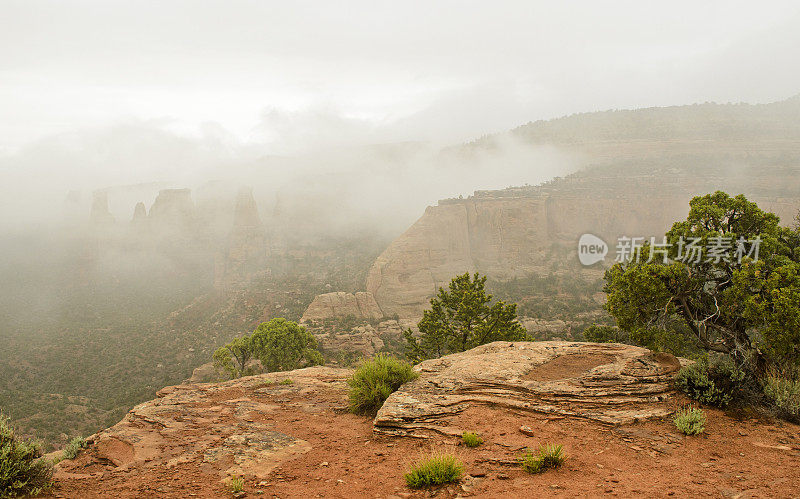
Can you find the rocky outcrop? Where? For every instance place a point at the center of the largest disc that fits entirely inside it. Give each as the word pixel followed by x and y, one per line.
pixel 214 426
pixel 513 233
pixel 246 249
pixel 139 214
pixel 364 339
pixel 173 209
pixel 607 383
pixel 99 215
pixel 296 438
pixel 340 304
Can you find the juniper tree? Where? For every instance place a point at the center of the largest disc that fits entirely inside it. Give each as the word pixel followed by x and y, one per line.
pixel 463 317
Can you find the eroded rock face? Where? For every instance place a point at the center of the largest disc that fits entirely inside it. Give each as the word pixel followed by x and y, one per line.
pixel 99 215
pixel 510 233
pixel 214 425
pixel 139 214
pixel 173 209
pixel 360 339
pixel 246 250
pixel 364 339
pixel 605 382
pixel 340 304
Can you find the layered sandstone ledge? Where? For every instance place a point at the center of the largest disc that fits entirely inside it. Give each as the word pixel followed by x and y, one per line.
pixel 339 304
pixel 604 382
pixel 227 427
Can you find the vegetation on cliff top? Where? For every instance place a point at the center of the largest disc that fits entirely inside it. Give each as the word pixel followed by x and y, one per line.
pixel 374 380
pixel 463 317
pixel 740 304
pixel 435 469
pixel 23 471
pixel 279 345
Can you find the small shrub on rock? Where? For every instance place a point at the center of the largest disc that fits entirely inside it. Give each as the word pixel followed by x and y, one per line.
pixel 74 447
pixel 23 471
pixel 547 457
pixel 434 470
pixel 690 421
pixel 376 379
pixel 471 439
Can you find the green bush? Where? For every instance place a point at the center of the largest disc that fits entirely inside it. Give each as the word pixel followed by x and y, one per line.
pixel 434 470
pixel 784 393
pixel 376 379
pixel 471 439
pixel 279 345
pixel 463 317
pixel 236 484
pixel 690 421
pixel 547 457
pixel 23 471
pixel 287 381
pixel 74 447
pixel 718 382
pixel 605 334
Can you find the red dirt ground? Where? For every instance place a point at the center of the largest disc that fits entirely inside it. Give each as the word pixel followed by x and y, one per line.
pixel 734 458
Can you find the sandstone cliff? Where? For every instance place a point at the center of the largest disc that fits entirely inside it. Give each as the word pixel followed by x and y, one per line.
pixel 139 214
pixel 99 215
pixel 360 305
pixel 245 252
pixel 511 233
pixel 173 210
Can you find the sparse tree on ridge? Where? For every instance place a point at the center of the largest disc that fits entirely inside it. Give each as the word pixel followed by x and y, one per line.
pixel 463 317
pixel 748 309
pixel 283 345
pixel 234 357
pixel 279 344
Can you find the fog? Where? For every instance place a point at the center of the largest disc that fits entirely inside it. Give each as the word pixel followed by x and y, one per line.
pixel 346 107
pixel 133 133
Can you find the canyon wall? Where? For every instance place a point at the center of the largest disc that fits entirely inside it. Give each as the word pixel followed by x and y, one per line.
pixel 245 252
pixel 507 234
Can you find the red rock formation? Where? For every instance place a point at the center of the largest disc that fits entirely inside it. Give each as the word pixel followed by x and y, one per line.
pixel 340 304
pixel 246 249
pixel 173 209
pixel 100 215
pixel 506 234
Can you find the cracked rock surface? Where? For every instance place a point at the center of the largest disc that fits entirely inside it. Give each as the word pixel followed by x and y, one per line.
pixel 604 382
pixel 218 425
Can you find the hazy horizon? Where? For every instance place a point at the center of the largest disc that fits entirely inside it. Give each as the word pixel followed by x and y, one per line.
pixel 96 94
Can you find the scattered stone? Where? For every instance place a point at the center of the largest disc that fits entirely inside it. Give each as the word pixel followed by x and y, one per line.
pixel 526 430
pixel 768 446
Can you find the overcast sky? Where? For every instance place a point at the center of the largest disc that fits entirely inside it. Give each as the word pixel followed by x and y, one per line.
pixel 291 73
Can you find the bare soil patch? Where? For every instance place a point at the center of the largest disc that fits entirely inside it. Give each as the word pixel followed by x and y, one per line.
pixel 567 366
pixel 734 458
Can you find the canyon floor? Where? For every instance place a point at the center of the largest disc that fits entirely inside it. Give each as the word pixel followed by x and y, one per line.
pixel 296 439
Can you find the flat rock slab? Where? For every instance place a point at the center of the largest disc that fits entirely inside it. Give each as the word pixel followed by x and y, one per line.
pixel 606 382
pixel 217 425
